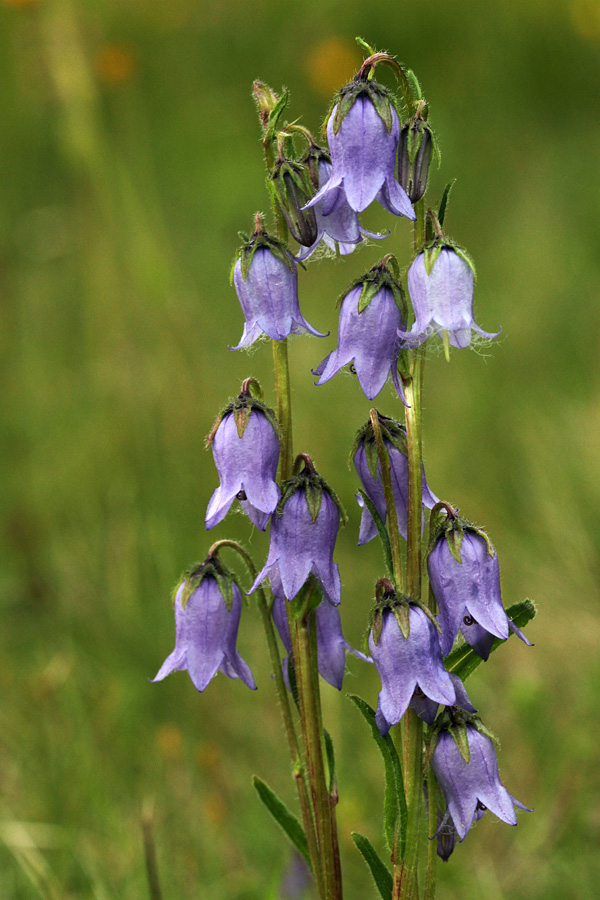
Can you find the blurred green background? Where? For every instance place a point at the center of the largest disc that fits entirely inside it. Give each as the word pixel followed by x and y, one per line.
pixel 130 159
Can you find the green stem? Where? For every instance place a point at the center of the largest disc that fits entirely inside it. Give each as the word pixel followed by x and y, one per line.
pixel 412 391
pixel 432 857
pixel 388 492
pixel 283 695
pixel 284 406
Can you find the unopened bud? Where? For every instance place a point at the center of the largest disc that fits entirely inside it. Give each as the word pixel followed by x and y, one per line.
pixel 414 156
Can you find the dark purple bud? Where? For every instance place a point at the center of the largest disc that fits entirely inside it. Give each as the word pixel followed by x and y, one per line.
pixel 303 535
pixel 331 644
pixel 404 664
pixel 206 627
pixel 290 188
pixel 368 469
pixel 268 294
pixel 442 299
pixel 246 463
pixel 470 587
pixel 414 156
pixel 363 153
pixel 469 786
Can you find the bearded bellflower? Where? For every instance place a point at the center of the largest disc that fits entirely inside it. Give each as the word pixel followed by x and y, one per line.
pixel 245 448
pixel 208 606
pixel 406 651
pixel 440 283
pixel 341 229
pixel 368 468
pixel 471 785
pixel 304 530
pixel 363 132
pixel 331 643
pixel 370 316
pixel 465 578
pixel 266 282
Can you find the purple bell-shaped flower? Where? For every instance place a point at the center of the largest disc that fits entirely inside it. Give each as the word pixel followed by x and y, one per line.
pixel 208 606
pixel 366 461
pixel 406 651
pixel 465 578
pixel 470 787
pixel 440 283
pixel 481 640
pixel 266 282
pixel 370 316
pixel 363 133
pixel 303 535
pixel 340 229
pixel 245 447
pixel 331 644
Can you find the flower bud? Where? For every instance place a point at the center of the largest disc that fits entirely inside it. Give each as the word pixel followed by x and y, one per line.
pixel 414 156
pixel 290 187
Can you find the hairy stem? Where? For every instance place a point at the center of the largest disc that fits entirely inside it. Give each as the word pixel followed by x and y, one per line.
pixel 388 492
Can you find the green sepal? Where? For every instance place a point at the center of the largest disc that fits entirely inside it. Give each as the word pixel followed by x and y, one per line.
pixel 426 611
pixel 395 809
pixel 460 737
pixel 379 871
pixel 377 625
pixel 392 431
pixel 382 530
pixel 313 484
pixel 374 280
pixel 241 407
pixel 463 660
pixel 464 254
pixel 193 577
pixel 384 109
pixel 386 597
pixel 431 253
pixel 454 540
pixel 402 615
pixel 330 754
pixel 379 96
pixel 261 240
pixel 275 115
pixel 286 820
pixel 443 523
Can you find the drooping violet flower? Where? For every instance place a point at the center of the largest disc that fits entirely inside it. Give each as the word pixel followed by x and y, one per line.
pixel 331 644
pixel 303 535
pixel 245 448
pixel 266 282
pixel 473 785
pixel 406 658
pixel 368 468
pixel 370 316
pixel 427 709
pixel 481 640
pixel 440 283
pixel 208 606
pixel 465 578
pixel 363 132
pixel 341 229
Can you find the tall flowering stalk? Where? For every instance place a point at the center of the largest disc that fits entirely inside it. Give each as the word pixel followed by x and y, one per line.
pixel 438 611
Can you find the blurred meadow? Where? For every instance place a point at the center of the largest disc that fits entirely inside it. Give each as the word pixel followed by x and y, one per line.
pixel 131 157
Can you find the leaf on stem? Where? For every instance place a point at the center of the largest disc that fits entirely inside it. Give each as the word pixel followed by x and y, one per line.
pixel 395 811
pixel 381 874
pixel 284 818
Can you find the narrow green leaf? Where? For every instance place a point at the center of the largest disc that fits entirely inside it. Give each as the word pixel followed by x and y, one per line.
pixel 284 818
pixel 444 203
pixel 380 872
pixel 330 760
pixel 395 811
pixel 463 660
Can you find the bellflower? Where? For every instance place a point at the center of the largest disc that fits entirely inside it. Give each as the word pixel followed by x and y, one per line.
pixel 245 448
pixel 341 229
pixel 442 297
pixel 206 628
pixel 368 469
pixel 363 131
pixel 407 663
pixel 303 535
pixel 266 282
pixel 370 316
pixel 471 786
pixel 331 644
pixel 469 587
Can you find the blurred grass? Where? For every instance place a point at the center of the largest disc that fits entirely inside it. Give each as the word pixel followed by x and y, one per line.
pixel 130 160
